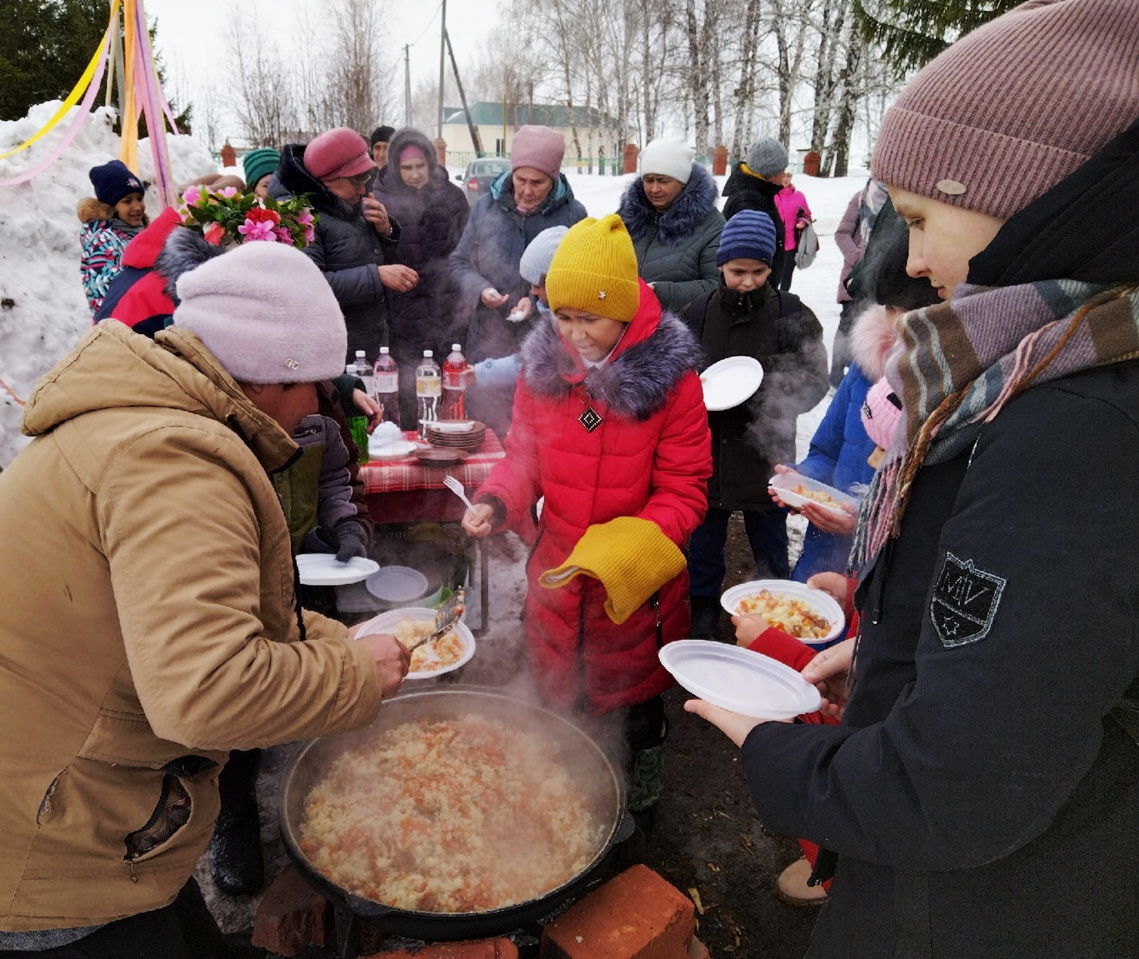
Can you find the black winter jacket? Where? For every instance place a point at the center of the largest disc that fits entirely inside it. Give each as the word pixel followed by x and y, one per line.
pixel 348 251
pixel 745 191
pixel 432 219
pixel 981 800
pixel 749 439
pixel 676 248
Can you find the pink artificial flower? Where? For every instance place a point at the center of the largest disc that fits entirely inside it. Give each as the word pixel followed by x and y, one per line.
pixel 310 234
pixel 192 195
pixel 256 230
pixel 284 235
pixel 304 218
pixel 229 191
pixel 214 233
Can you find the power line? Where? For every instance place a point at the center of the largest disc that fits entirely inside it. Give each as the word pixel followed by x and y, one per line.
pixel 428 27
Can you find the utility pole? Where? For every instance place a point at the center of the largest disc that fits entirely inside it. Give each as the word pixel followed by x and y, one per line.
pixel 442 56
pixel 407 84
pixel 474 130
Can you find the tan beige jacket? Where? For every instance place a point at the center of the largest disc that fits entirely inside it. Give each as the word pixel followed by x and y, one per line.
pixel 147 626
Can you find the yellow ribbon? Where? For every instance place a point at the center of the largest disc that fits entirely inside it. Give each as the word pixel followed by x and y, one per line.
pixel 128 147
pixel 77 91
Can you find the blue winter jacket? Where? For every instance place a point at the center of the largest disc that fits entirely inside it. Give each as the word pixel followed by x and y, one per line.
pixel 838 457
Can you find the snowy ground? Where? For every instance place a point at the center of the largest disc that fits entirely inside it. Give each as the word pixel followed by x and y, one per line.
pixel 43 312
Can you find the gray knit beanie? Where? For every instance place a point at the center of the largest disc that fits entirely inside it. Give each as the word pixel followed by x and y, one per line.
pixel 767 157
pixel 267 313
pixel 538 255
pixel 1012 108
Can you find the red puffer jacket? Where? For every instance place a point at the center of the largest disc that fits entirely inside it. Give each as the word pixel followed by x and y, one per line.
pixel 649 457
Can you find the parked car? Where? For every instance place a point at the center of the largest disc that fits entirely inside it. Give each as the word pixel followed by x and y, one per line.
pixel 480 174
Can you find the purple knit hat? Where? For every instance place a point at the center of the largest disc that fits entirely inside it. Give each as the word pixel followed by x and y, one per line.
pixel 267 313
pixel 338 152
pixel 540 148
pixel 1012 108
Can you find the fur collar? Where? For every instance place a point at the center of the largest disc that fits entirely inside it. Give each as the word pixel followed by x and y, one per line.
pixel 634 384
pixel 679 221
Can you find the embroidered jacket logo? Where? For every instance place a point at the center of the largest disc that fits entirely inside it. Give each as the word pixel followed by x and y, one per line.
pixel 965 601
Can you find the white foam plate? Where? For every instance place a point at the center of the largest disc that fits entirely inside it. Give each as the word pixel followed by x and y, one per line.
pixel 386 622
pixel 396 584
pixel 822 603
pixel 784 484
pixel 390 451
pixel 730 381
pixel 739 679
pixel 454 426
pixel 324 569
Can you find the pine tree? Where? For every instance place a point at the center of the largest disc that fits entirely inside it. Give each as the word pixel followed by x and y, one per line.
pixel 44 47
pixel 913 32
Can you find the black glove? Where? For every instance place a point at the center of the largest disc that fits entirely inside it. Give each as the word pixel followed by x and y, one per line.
pixel 352 540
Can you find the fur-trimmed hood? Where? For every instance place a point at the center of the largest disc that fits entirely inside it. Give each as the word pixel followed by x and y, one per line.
pixel 656 350
pixel 871 339
pixel 680 220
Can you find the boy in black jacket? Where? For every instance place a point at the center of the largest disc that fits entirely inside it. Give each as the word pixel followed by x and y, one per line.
pixel 747 316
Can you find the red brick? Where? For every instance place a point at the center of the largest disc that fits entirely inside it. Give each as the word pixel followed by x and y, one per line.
pixel 636 915
pixel 476 949
pixel 291 916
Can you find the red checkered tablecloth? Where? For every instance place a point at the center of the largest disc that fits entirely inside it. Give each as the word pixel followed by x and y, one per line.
pixel 407 491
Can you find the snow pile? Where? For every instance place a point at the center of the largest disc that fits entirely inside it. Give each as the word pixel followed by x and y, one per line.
pixel 43 311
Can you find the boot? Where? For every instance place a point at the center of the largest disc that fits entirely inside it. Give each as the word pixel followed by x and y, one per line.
pixel 235 850
pixel 791 886
pixel 235 853
pixel 705 617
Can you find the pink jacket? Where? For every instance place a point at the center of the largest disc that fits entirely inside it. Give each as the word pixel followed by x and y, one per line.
pixel 792 206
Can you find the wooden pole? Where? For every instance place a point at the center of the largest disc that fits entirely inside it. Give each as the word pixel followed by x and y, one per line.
pixel 442 53
pixel 474 130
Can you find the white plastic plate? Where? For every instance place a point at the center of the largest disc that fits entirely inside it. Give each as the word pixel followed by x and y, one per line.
pixel 390 451
pixel 738 679
pixel 822 603
pixel 386 622
pixel 784 484
pixel 730 381
pixel 323 569
pixel 396 584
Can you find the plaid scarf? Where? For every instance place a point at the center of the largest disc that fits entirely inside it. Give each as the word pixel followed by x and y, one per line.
pixel 958 363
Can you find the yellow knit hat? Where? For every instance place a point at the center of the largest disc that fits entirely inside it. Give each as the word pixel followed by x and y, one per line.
pixel 595 270
pixel 630 556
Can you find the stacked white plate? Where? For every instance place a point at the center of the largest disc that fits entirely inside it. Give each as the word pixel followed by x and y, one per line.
pixel 456 434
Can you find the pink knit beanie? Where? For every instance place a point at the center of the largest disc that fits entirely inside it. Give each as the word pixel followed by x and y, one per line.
pixel 267 313
pixel 337 152
pixel 540 148
pixel 880 414
pixel 1012 108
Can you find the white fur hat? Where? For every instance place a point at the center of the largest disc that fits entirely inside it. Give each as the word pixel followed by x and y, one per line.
pixel 669 158
pixel 267 313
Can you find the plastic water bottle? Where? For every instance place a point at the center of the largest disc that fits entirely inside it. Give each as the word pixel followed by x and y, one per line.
pixel 357 424
pixel 363 369
pixel 387 385
pixel 454 385
pixel 427 392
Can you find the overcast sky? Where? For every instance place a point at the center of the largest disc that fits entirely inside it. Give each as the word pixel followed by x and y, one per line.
pixel 193 52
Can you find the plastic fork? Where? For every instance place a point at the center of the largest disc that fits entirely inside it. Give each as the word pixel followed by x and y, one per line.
pixel 448 614
pixel 456 487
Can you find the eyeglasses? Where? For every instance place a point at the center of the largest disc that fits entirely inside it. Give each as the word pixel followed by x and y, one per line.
pixel 364 180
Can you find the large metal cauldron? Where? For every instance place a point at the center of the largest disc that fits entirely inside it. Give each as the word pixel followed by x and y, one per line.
pixel 590 768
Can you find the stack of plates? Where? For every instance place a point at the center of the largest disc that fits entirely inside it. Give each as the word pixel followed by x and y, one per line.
pixel 456 434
